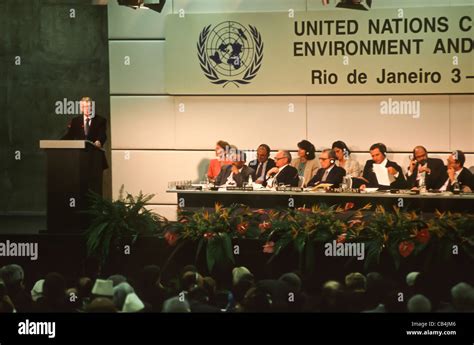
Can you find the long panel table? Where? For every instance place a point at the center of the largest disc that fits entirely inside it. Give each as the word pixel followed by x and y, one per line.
pixel 269 199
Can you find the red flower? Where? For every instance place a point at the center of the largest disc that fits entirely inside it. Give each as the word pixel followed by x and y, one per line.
pixel 242 228
pixel 354 222
pixel 264 226
pixel 261 211
pixel 303 209
pixel 209 235
pixel 348 206
pixel 423 236
pixel 269 247
pixel 171 238
pixel 341 238
pixel 405 248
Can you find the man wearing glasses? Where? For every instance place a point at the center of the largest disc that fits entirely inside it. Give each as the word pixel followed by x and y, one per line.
pixel 329 172
pixel 423 170
pixel 283 173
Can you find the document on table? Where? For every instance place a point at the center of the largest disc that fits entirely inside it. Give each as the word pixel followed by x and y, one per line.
pixel 382 174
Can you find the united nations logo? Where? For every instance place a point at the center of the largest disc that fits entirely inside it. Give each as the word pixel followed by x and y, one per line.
pixel 230 53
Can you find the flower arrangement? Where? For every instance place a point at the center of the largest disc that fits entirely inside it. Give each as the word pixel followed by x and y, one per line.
pixel 399 233
pixel 214 231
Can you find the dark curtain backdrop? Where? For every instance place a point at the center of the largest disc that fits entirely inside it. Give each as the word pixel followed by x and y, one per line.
pixel 61 57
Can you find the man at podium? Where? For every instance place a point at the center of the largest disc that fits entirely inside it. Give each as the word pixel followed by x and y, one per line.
pixel 88 126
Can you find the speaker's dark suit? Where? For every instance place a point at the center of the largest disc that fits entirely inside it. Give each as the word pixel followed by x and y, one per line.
pixel 399 183
pixel 254 165
pixel 97 129
pixel 465 178
pixel 334 177
pixel 239 179
pixel 435 179
pixel 288 176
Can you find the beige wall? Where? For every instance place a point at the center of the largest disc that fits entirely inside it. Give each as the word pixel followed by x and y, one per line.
pixel 157 138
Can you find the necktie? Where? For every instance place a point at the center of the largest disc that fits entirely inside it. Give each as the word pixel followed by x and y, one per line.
pixel 87 127
pixel 259 170
pixel 325 176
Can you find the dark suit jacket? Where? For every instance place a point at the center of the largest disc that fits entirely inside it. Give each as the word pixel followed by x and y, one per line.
pixel 399 183
pixel 435 180
pixel 97 130
pixel 465 178
pixel 334 177
pixel 254 165
pixel 288 176
pixel 239 178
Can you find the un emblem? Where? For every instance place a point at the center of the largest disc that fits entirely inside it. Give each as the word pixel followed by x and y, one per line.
pixel 230 53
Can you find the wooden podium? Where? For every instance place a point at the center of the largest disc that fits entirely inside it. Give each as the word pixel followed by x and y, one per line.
pixel 73 168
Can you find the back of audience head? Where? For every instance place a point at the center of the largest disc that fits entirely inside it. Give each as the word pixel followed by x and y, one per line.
pixel 54 287
pixel 332 294
pixel 176 305
pixel 292 280
pixel 120 294
pixel 257 300
pixel 101 305
pixel 191 280
pixel 356 282
pixel 13 276
pixel 462 296
pixel 419 304
pixel 239 272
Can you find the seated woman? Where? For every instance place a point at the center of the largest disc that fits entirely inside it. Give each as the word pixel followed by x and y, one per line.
pixel 216 164
pixel 344 160
pixel 306 164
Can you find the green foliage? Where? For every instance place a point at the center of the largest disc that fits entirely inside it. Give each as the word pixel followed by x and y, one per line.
pixel 399 233
pixel 114 221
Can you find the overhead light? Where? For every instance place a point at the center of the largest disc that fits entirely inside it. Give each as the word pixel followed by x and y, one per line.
pixel 155 5
pixel 354 4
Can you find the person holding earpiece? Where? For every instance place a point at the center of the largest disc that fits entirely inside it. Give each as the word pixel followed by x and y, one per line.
pixel 422 169
pixel 329 171
pixel 306 163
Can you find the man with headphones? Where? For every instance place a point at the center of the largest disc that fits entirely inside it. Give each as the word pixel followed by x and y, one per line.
pixel 458 174
pixel 378 152
pixel 329 171
pixel 431 169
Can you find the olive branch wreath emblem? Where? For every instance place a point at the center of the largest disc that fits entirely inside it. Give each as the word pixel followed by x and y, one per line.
pixel 210 72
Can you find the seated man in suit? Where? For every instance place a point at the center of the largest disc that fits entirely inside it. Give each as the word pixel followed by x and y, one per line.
pixel 88 126
pixel 397 180
pixel 283 172
pixel 329 171
pixel 235 174
pixel 458 173
pixel 431 169
pixel 262 164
